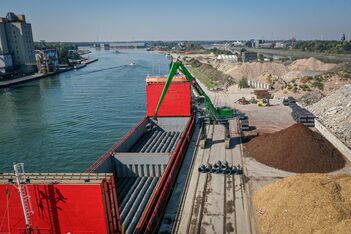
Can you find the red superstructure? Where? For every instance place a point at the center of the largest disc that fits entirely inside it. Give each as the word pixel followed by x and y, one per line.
pixel 177 102
pixel 59 206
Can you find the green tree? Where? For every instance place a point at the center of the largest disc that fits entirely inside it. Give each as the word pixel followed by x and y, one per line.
pixel 243 83
pixel 248 44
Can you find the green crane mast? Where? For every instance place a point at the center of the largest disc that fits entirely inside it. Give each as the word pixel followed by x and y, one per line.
pixel 213 114
pixel 219 113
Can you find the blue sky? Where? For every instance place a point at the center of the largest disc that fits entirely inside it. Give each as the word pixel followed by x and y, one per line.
pixel 108 20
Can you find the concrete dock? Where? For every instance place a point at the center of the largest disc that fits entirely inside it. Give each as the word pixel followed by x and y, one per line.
pixel 37 76
pixel 214 203
pixel 88 61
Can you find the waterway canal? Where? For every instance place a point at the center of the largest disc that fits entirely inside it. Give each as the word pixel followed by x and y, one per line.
pixel 64 123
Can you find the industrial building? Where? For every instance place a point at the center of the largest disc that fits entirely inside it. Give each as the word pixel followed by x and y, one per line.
pixel 262 44
pixel 47 60
pixel 16 45
pixel 247 56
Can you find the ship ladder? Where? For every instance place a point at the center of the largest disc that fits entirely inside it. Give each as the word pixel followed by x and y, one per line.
pixel 23 190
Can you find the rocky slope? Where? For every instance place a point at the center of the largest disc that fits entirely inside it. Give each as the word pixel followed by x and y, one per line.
pixel 334 111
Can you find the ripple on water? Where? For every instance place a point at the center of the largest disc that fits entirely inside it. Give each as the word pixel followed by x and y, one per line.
pixel 65 122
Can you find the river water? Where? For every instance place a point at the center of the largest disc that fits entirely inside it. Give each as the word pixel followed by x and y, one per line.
pixel 65 122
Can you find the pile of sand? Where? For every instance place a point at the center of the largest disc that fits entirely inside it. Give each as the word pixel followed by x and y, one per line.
pixel 296 149
pixel 269 71
pixel 252 71
pixel 310 64
pixel 308 203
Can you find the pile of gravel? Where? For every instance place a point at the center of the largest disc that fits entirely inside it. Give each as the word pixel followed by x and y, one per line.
pixel 296 149
pixel 308 203
pixel 311 98
pixel 334 111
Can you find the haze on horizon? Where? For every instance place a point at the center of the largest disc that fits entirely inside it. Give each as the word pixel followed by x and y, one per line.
pixel 108 20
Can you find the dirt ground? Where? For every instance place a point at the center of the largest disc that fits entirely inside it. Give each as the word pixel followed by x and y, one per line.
pixel 268 119
pixel 263 120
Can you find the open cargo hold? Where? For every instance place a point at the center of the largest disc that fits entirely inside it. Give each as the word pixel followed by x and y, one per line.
pixel 126 190
pixel 61 203
pixel 146 161
pixel 177 102
pixel 145 177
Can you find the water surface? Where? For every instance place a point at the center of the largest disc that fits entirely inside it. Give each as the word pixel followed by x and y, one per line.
pixel 64 123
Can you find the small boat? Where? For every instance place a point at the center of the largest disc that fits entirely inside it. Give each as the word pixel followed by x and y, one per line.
pixel 132 64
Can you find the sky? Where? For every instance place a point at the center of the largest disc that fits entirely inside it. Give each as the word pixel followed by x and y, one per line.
pixel 129 20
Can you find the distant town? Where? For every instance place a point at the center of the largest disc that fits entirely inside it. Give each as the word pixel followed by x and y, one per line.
pixel 20 56
pixel 22 59
pixel 251 134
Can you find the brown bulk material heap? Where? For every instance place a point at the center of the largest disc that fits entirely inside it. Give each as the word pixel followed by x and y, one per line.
pixel 307 203
pixel 296 149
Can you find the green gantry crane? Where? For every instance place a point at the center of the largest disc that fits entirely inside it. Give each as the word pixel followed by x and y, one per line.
pixel 212 114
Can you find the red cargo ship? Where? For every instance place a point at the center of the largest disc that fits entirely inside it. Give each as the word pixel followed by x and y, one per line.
pixel 125 191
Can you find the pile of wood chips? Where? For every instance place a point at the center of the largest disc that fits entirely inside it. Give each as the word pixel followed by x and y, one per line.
pixel 307 203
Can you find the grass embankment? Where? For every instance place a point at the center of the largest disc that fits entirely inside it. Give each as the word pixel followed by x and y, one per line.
pixel 203 77
pixel 208 75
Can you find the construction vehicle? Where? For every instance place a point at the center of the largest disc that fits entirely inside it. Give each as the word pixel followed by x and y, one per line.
pixel 204 106
pixel 264 102
pixel 253 100
pixel 243 101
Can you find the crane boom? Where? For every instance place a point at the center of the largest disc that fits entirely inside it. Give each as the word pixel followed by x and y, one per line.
pixel 214 113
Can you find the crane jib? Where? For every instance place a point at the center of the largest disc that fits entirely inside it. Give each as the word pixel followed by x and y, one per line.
pixel 216 113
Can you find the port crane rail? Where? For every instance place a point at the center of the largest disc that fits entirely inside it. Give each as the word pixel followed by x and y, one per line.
pixel 212 114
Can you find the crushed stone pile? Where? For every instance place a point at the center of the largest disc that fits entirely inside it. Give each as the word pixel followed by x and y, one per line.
pixel 296 149
pixel 310 64
pixel 334 111
pixel 311 98
pixel 307 203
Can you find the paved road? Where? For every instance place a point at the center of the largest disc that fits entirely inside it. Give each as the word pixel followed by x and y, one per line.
pixel 302 54
pixel 294 54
